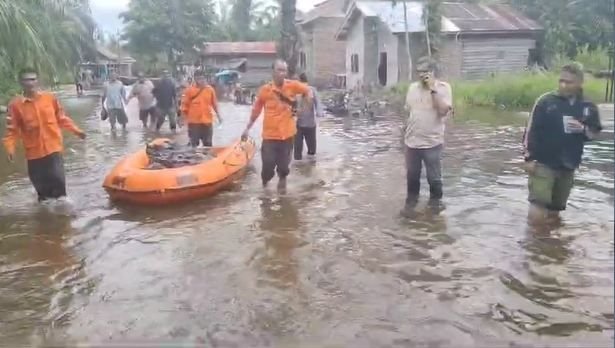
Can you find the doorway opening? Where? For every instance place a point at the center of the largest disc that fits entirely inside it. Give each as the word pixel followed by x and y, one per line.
pixel 382 69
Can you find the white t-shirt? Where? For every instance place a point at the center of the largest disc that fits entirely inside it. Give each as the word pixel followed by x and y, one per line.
pixel 424 127
pixel 143 92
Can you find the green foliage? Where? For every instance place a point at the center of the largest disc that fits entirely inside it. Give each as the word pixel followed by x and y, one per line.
pixel 571 24
pixel 507 91
pixel 432 16
pixel 516 91
pixel 592 60
pixel 262 23
pixel 50 35
pixel 171 26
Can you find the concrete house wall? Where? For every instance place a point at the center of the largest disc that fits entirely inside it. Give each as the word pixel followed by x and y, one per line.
pixel 355 44
pixel 324 55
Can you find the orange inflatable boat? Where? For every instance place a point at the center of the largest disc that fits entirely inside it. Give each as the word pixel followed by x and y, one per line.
pixel 131 181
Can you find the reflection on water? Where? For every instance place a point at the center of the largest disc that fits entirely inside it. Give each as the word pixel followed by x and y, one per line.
pixel 280 228
pixel 331 262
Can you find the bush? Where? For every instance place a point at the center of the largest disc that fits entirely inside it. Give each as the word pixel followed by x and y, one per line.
pixel 594 61
pixel 516 91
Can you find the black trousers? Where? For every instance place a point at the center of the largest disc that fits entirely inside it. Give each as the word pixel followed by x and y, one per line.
pixel 414 163
pixel 151 112
pixel 309 135
pixel 200 132
pixel 47 176
pixel 276 157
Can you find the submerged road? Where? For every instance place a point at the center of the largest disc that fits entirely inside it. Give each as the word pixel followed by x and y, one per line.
pixel 328 264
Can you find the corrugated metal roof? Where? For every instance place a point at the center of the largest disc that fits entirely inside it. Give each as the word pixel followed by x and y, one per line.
pixel 457 17
pixel 107 53
pixel 392 16
pixel 325 9
pixel 222 48
pixel 479 17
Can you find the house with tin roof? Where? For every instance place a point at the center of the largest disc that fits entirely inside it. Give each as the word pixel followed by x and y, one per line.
pixel 252 59
pixel 477 40
pixel 322 56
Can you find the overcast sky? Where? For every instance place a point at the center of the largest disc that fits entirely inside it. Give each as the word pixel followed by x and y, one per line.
pixel 106 12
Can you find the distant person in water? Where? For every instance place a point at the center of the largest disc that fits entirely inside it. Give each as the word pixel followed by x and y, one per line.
pixel 560 123
pixel 79 86
pixel 113 100
pixel 166 98
pixel 37 118
pixel 306 123
pixel 143 90
pixel 429 102
pixel 199 105
pixel 278 100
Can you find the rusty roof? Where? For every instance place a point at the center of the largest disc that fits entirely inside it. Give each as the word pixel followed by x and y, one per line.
pixel 479 17
pixel 456 17
pixel 325 9
pixel 238 48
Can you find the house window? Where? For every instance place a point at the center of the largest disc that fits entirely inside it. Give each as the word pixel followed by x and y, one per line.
pixel 354 63
pixel 302 60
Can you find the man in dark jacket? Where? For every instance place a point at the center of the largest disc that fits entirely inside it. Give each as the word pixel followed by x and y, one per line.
pixel 166 97
pixel 559 125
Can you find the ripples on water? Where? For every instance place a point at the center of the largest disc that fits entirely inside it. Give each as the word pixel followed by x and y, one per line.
pixel 328 263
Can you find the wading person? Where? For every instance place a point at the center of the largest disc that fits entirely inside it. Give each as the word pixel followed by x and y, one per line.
pixel 166 98
pixel 198 107
pixel 79 86
pixel 113 100
pixel 143 89
pixel 429 102
pixel 278 99
pixel 37 118
pixel 559 125
pixel 306 124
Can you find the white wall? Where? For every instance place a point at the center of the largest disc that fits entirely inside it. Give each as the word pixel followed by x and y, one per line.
pixel 387 42
pixel 355 44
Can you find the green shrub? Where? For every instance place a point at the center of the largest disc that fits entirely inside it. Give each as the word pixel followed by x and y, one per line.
pixel 594 61
pixel 516 91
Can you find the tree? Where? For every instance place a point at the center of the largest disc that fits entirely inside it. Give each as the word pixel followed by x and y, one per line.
pixel 571 24
pixel 406 35
pixel 51 35
pixel 241 18
pixel 432 17
pixel 263 22
pixel 289 38
pixel 174 27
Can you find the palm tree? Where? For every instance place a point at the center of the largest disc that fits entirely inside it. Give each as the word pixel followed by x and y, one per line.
pixel 50 35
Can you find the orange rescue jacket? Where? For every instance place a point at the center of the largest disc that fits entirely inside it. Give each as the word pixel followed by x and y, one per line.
pixel 279 123
pixel 37 122
pixel 198 105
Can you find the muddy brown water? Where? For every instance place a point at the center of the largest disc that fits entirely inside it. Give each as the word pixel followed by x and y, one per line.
pixel 328 264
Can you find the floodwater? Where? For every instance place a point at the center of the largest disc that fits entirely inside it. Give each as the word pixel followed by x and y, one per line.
pixel 328 264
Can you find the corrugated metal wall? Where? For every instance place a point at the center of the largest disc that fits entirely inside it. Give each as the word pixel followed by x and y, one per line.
pixel 483 56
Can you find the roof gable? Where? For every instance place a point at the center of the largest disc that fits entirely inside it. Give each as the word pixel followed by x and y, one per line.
pixel 229 48
pixel 456 17
pixel 325 9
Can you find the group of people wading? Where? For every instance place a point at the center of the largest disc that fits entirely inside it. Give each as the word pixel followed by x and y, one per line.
pixel 559 125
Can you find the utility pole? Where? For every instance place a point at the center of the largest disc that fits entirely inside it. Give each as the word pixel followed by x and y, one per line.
pixel 119 54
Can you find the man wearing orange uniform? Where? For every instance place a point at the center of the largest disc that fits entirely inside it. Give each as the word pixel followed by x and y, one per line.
pixel 37 119
pixel 278 99
pixel 198 104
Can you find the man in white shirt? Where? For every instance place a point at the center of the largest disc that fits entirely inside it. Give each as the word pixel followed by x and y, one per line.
pixel 429 102
pixel 113 100
pixel 143 90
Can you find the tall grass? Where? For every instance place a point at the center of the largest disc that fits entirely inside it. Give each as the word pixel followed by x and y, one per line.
pixel 594 61
pixel 517 91
pixel 507 91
